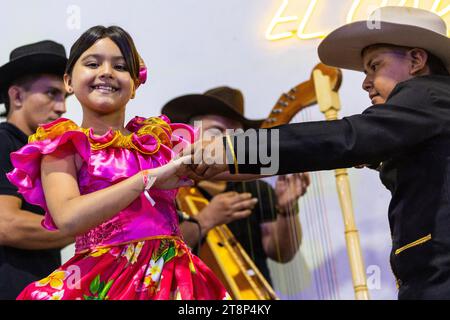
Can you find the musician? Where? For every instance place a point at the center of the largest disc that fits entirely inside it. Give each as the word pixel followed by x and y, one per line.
pixel 405 134
pixel 32 90
pixel 264 220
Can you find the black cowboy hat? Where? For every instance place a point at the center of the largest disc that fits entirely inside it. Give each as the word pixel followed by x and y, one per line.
pixel 46 57
pixel 222 101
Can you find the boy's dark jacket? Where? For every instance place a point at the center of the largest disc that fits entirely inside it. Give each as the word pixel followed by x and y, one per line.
pixel 409 136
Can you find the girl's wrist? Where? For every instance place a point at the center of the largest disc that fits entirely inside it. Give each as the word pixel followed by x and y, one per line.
pixel 148 178
pixel 144 179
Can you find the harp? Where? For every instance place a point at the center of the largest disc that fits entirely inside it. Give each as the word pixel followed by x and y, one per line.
pixel 223 253
pixel 322 89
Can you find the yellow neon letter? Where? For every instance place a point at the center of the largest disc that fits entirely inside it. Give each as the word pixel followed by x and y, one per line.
pixel 442 13
pixel 403 2
pixel 277 20
pixel 355 6
pixel 301 28
pixel 351 12
pixel 416 4
pixel 435 7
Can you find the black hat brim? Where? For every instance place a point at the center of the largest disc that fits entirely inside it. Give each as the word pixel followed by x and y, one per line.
pixel 184 108
pixel 34 64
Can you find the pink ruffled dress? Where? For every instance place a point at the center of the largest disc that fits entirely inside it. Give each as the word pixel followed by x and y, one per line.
pixel 137 254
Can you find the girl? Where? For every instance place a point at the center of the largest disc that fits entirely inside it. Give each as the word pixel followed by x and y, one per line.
pixel 94 180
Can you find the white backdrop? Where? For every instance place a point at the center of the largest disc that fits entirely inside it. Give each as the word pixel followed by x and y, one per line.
pixel 193 45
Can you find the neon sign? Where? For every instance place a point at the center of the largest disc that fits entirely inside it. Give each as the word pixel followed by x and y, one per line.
pixel 311 11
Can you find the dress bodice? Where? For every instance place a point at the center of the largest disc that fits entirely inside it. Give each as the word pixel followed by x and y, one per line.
pixel 106 160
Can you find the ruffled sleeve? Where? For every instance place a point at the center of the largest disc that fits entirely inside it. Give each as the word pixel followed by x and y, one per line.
pixel 159 134
pixel 26 175
pixel 154 141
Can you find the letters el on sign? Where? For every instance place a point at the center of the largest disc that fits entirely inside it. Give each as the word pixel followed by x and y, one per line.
pixel 306 19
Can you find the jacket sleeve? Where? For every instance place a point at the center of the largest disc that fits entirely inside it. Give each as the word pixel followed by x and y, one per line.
pixel 409 117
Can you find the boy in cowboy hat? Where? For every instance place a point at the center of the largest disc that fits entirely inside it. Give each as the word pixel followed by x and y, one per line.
pixel 265 229
pixel 405 134
pixel 32 90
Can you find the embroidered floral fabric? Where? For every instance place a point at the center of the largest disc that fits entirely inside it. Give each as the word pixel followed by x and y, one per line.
pixel 138 253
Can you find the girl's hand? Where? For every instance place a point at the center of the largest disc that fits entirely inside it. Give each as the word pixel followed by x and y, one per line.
pixel 172 175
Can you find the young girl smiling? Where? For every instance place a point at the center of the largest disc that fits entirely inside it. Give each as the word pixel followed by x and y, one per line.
pixel 112 186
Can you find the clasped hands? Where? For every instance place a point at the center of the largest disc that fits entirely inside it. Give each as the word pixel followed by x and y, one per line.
pixel 201 160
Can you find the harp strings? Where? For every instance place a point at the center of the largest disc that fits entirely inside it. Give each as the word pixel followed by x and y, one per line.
pixel 316 245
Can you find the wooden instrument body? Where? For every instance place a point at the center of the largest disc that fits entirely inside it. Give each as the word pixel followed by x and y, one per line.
pixel 225 256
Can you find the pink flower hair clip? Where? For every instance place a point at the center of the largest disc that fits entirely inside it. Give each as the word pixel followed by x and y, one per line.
pixel 142 74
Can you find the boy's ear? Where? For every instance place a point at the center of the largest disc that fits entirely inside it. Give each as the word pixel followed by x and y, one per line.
pixel 68 83
pixel 419 59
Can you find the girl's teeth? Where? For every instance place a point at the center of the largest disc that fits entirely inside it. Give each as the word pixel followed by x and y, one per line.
pixel 111 89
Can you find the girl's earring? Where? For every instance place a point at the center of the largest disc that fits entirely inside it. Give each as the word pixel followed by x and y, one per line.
pixel 133 93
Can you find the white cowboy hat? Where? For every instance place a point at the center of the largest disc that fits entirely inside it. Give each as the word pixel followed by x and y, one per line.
pixel 400 26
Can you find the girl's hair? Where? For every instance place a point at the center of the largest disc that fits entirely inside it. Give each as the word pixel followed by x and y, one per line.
pixel 118 35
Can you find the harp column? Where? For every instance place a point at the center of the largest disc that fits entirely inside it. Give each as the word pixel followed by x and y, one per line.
pixel 329 105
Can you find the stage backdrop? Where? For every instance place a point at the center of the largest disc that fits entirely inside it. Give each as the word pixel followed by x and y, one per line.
pixel 190 46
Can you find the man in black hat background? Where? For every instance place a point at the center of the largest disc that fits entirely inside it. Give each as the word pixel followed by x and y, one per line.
pixel 264 220
pixel 32 90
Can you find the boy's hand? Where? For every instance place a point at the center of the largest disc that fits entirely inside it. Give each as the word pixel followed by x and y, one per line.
pixel 207 158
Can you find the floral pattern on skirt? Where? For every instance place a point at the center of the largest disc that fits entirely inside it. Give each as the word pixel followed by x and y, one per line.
pixel 143 270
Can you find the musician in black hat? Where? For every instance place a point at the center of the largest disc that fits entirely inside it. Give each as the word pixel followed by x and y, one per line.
pixel 32 90
pixel 263 219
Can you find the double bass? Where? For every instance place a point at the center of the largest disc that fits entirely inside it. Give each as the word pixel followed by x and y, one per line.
pixel 224 254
